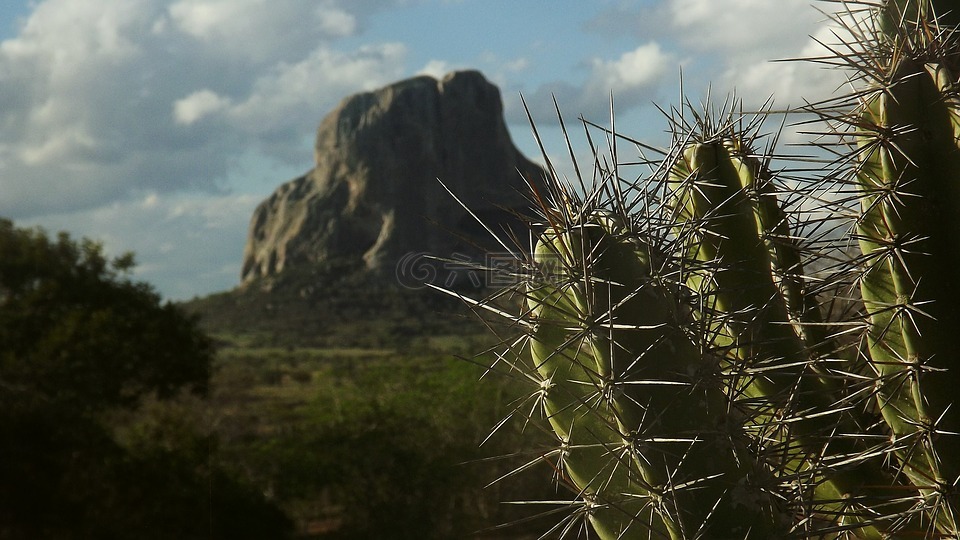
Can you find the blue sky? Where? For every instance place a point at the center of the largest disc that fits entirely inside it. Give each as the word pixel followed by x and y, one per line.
pixel 157 125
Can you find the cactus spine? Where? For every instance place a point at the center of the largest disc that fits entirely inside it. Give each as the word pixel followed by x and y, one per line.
pixel 745 269
pixel 612 357
pixel 909 177
pixel 695 385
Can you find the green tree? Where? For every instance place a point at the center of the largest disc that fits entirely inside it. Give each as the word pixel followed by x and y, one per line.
pixel 79 341
pixel 76 330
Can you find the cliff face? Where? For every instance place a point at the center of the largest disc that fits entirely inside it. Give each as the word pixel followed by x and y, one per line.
pixel 374 197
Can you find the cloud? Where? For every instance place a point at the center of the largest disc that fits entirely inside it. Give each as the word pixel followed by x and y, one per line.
pixel 517 65
pixel 633 71
pixel 435 68
pixel 634 78
pixel 260 30
pixel 293 97
pixel 733 45
pixel 197 105
pixel 135 96
pixel 743 27
pixel 182 244
pixel 791 83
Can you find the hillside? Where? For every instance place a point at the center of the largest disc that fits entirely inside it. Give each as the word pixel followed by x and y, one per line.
pixel 348 310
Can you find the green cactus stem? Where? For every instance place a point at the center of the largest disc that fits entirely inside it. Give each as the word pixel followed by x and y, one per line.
pixel 786 264
pixel 909 235
pixel 637 407
pixel 747 274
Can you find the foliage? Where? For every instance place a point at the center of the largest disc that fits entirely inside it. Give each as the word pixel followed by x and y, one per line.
pixel 331 305
pixel 76 331
pixel 349 450
pixel 317 396
pixel 716 359
pixel 79 343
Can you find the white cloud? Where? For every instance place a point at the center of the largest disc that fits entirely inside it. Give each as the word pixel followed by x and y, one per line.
pixel 296 96
pixel 730 45
pixel 66 58
pixel 791 83
pixel 744 27
pixel 129 121
pixel 435 68
pixel 94 102
pixel 65 31
pixel 632 71
pixel 150 201
pixel 517 65
pixel 260 31
pixel 634 78
pixel 69 140
pixel 336 22
pixel 205 20
pixel 197 105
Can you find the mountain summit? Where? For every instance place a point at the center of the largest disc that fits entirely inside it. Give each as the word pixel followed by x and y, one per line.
pixel 374 198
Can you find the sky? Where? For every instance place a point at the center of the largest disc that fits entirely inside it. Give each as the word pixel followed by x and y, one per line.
pixel 157 126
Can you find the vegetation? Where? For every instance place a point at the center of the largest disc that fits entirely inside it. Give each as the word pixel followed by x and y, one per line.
pixel 81 344
pixel 339 436
pixel 342 440
pixel 716 359
pixel 120 418
pixel 331 305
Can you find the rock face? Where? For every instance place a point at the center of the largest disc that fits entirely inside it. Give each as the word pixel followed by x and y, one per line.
pixel 374 198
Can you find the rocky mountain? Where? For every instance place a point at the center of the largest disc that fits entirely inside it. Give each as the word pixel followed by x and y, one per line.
pixel 374 199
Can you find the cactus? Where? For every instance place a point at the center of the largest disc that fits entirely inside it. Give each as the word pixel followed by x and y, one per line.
pixel 611 356
pixel 908 174
pixel 745 268
pixel 682 352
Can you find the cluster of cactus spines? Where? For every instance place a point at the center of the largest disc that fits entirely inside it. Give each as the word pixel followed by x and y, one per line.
pixel 909 177
pixel 678 340
pixel 745 271
pixel 638 409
